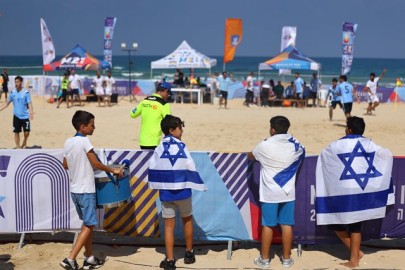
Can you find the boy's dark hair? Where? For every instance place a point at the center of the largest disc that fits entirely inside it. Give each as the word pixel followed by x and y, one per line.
pixel 81 118
pixel 356 125
pixel 343 77
pixel 19 78
pixel 280 124
pixel 334 80
pixel 170 122
pixel 372 74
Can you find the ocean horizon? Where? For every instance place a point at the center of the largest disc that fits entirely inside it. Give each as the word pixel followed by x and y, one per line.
pixel 240 67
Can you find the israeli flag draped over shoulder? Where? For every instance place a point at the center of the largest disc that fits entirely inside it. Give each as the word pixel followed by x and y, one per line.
pixel 172 167
pixel 353 181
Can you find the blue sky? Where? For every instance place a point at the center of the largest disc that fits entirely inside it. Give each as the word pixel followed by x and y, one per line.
pixel 159 26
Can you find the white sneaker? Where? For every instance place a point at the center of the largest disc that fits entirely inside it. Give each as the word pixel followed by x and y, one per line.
pixel 262 263
pixel 287 262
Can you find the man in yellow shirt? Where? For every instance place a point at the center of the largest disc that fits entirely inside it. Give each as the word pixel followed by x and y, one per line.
pixel 152 110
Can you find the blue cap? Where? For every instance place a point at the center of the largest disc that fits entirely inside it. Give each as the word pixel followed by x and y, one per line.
pixel 164 86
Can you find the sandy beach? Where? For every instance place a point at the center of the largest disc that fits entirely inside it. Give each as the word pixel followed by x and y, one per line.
pixel 237 129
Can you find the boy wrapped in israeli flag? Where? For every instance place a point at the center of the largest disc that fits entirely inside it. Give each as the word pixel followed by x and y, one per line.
pixel 172 171
pixel 353 184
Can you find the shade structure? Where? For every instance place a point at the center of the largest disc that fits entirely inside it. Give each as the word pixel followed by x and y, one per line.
pixel 290 58
pixel 184 57
pixel 78 59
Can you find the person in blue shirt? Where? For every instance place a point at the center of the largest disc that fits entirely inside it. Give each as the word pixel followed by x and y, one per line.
pixel 346 91
pixel 298 82
pixel 336 99
pixel 23 111
pixel 288 92
pixel 315 85
pixel 299 89
pixel 224 82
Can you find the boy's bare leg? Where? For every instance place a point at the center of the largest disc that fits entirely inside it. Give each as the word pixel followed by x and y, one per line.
pixel 287 236
pixel 188 232
pixel 355 256
pixel 169 237
pixel 330 113
pixel 17 140
pixel 26 135
pixel 375 105
pixel 346 239
pixel 83 240
pixel 267 238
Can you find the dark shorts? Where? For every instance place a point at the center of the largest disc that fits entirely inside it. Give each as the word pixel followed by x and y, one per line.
pixel 21 124
pixel 148 147
pixel 347 107
pixel 5 88
pixel 224 94
pixel 298 95
pixel 351 228
pixel 313 94
pixel 334 103
pixel 74 91
pixel 64 93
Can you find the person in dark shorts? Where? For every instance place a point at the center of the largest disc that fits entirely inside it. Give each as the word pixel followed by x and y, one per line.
pixel 64 87
pixel 336 99
pixel 23 111
pixel 4 84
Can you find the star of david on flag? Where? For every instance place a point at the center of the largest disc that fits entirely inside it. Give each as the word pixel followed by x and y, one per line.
pixel 353 181
pixel 173 150
pixel 172 168
pixel 349 173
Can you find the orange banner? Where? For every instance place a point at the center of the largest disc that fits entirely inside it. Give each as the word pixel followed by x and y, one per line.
pixel 233 37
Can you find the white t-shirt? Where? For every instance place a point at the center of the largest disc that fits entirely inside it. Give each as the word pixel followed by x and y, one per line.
pixel 80 169
pixel 373 85
pixel 109 85
pixel 74 81
pixel 249 83
pixel 275 155
pixel 98 83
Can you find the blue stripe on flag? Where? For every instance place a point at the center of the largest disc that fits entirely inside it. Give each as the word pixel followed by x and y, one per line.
pixel 174 176
pixel 285 175
pixel 351 203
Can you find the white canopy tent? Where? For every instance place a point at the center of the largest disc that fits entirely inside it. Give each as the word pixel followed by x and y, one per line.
pixel 184 57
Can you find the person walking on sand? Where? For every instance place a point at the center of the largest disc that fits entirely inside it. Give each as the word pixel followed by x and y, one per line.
pixel 152 110
pixel 23 111
pixel 371 89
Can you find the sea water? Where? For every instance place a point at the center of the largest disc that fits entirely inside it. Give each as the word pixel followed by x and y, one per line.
pixel 240 67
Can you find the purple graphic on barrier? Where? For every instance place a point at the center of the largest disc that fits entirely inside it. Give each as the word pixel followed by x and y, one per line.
pixel 4 161
pixel 1 210
pixel 383 93
pixel 393 224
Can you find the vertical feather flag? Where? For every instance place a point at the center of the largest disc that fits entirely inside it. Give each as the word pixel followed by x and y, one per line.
pixel 233 37
pixel 349 33
pixel 48 49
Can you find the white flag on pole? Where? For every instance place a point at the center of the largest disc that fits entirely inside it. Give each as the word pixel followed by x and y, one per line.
pixel 288 37
pixel 48 49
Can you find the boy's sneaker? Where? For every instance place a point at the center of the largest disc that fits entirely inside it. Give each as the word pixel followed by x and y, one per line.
pixel 189 257
pixel 168 265
pixel 69 265
pixel 287 262
pixel 97 263
pixel 262 263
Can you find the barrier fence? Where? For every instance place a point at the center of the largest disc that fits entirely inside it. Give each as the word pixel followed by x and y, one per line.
pixel 49 85
pixel 34 197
